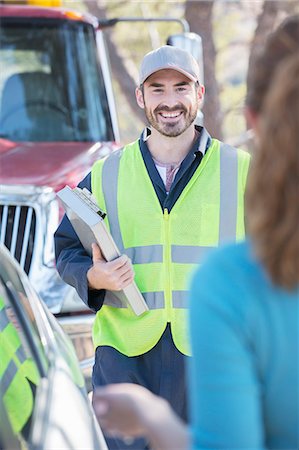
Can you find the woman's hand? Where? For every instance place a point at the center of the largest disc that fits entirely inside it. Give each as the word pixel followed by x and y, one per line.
pixel 129 410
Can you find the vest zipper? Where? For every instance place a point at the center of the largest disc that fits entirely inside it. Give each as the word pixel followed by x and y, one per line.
pixel 167 259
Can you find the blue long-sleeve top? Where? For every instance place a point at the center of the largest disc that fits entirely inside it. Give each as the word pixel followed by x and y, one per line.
pixel 244 374
pixel 73 262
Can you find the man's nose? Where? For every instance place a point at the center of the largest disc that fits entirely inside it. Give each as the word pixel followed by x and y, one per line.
pixel 170 99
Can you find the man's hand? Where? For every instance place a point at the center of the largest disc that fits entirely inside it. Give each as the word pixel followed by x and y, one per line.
pixel 114 275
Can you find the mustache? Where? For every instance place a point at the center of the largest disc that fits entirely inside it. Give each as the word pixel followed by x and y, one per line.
pixel 178 107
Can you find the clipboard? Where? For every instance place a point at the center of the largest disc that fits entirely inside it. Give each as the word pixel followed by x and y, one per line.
pixel 87 220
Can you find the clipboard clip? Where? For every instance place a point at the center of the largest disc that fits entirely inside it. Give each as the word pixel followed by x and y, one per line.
pixel 87 196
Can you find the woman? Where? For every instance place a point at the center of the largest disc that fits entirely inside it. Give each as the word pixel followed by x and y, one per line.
pixel 244 308
pixel 245 299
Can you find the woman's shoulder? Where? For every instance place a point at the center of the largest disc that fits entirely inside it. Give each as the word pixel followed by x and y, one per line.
pixel 235 271
pixel 237 257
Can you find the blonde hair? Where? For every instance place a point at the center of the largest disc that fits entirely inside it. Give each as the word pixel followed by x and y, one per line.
pixel 273 187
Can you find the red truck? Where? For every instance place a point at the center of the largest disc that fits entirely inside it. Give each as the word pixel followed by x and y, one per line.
pixel 57 116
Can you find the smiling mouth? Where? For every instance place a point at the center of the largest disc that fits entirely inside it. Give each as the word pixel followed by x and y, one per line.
pixel 171 115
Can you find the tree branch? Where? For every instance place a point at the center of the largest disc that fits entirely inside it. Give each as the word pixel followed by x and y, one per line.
pixel 119 70
pixel 199 16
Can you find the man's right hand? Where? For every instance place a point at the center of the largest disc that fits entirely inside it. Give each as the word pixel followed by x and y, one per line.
pixel 113 276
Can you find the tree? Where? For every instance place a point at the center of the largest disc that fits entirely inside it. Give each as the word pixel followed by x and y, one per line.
pixel 272 13
pixel 199 14
pixel 119 70
pixel 266 22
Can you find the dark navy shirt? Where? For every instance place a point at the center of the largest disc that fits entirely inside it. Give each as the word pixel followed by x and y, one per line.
pixel 72 260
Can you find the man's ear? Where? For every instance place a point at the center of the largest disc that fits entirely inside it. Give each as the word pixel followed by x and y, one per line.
pixel 200 92
pixel 139 97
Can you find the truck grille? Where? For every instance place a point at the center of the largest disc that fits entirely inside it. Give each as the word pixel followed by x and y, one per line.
pixel 17 232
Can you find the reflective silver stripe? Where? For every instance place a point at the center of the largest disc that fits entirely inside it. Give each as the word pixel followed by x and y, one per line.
pixel 180 299
pixel 3 319
pixel 154 300
pixel 8 376
pixel 145 254
pixel 189 254
pixel 228 193
pixel 21 354
pixel 112 299
pixel 109 187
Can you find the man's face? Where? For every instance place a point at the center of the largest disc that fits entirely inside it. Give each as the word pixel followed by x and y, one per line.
pixel 170 100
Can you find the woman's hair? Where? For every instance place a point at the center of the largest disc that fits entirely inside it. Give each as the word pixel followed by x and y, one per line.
pixel 281 44
pixel 273 188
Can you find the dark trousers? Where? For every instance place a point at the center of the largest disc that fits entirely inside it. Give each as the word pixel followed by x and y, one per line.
pixel 161 370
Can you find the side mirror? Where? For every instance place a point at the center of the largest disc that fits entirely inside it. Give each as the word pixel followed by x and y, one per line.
pixel 192 43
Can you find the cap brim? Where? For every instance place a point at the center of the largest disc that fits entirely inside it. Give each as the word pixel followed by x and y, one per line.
pixel 177 69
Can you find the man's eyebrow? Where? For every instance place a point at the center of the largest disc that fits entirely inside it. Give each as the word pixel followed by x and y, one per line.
pixel 182 83
pixel 156 84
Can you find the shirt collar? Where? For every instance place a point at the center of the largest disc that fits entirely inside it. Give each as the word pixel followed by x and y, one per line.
pixel 203 143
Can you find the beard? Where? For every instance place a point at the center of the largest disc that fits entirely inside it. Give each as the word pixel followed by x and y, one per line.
pixel 172 128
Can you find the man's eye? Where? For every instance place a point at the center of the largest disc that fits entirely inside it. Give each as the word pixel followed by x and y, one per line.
pixel 158 90
pixel 181 89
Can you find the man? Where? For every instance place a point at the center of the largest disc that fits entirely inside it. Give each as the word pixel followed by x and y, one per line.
pixel 219 396
pixel 170 197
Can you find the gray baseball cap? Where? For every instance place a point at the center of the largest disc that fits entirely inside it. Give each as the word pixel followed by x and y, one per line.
pixel 169 57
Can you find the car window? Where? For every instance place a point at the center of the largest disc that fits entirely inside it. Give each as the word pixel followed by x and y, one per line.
pixel 19 288
pixel 26 296
pixel 19 371
pixel 66 349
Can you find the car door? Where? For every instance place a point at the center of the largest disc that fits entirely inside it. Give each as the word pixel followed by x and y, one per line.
pixel 61 415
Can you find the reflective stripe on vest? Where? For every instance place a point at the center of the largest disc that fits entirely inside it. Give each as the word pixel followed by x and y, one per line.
pixel 3 320
pixel 182 254
pixel 228 193
pixel 154 300
pixel 109 186
pixel 8 376
pixel 17 373
pixel 145 254
pixel 180 299
pixel 12 368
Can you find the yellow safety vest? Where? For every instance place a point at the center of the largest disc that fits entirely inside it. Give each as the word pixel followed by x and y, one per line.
pixel 164 247
pixel 16 370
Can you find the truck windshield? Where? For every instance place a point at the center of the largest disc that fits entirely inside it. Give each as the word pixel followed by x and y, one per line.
pixel 51 85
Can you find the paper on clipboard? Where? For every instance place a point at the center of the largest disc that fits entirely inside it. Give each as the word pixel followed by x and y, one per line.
pixel 88 222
